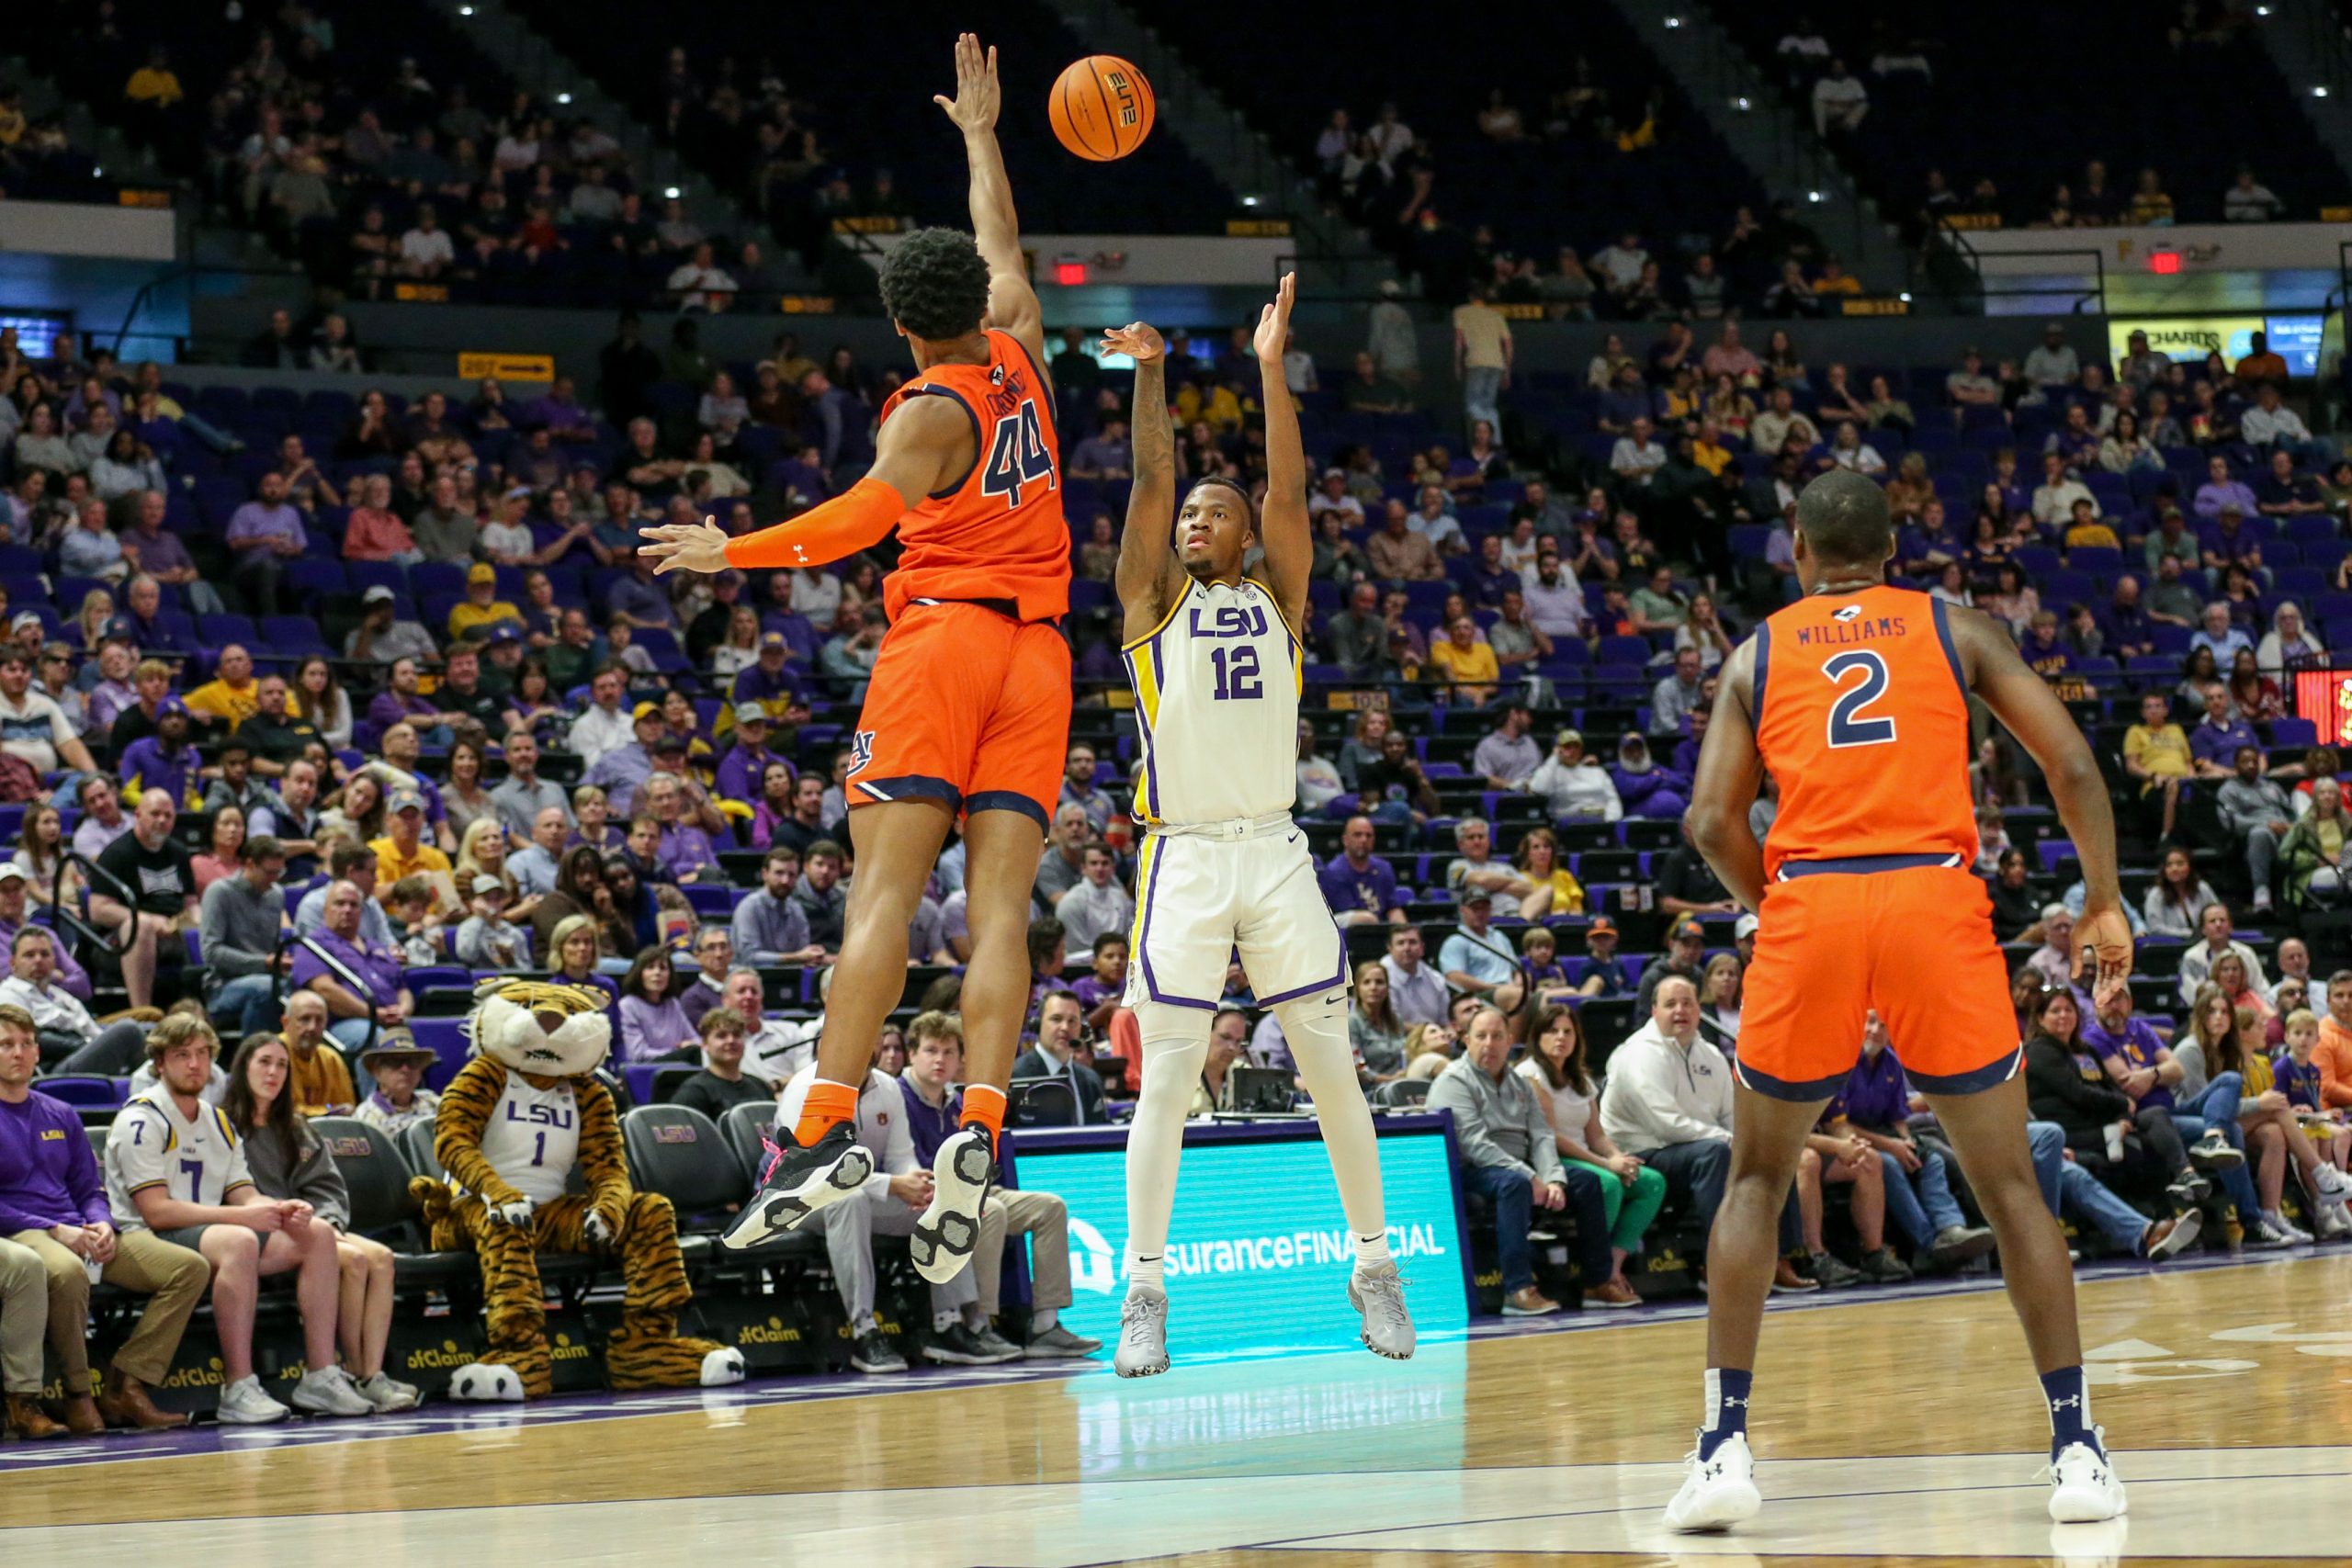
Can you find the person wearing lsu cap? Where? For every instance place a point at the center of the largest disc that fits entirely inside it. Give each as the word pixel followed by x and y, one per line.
pixel 405 851
pixel 621 771
pixel 1479 960
pixel 164 761
pixel 767 683
pixel 31 724
pixel 481 607
pixel 1686 956
pixel 397 1063
pixel 745 765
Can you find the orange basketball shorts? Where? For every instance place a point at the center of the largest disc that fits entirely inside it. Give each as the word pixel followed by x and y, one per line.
pixel 1914 941
pixel 966 706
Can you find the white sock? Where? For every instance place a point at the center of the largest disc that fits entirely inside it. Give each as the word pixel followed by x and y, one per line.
pixel 1172 1070
pixel 1316 1034
pixel 1043 1318
pixel 1371 1251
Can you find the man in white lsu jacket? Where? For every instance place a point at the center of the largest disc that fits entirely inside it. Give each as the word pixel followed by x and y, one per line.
pixel 1668 1099
pixel 893 1198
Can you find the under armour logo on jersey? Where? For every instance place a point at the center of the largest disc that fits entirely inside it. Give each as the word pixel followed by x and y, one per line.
pixel 861 750
pixel 1849 612
pixel 996 375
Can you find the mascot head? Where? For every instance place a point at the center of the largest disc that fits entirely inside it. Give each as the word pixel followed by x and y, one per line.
pixel 556 1031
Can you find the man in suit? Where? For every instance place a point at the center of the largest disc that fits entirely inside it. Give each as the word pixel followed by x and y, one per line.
pixel 1061 1053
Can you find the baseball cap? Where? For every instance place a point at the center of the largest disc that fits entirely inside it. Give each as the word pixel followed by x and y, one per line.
pixel 406 800
pixel 485 883
pixel 122 628
pixel 1335 473
pixel 504 631
pixel 646 710
pixel 1601 925
pixel 379 594
pixel 771 640
pixel 480 573
pixel 1476 895
pixel 669 742
pixel 11 871
pixel 22 619
pixel 1566 737
pixel 169 706
pixel 1684 926
pixel 1743 928
pixel 750 713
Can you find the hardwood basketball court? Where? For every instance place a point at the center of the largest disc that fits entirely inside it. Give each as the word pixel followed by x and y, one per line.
pixel 1896 1428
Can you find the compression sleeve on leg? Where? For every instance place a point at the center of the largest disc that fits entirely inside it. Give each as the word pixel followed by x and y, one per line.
pixel 851 522
pixel 1175 1047
pixel 1315 1029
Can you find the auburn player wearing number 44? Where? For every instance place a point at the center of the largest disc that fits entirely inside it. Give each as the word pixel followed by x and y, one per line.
pixel 1855 699
pixel 967 714
pixel 1217 679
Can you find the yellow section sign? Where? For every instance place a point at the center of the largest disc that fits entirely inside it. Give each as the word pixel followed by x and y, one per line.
pixel 507 366
pixel 2184 337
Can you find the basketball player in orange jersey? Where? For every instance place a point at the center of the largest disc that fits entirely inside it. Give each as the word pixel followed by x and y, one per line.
pixel 967 712
pixel 1855 699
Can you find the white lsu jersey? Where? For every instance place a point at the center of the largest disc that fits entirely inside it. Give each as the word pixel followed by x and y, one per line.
pixel 152 1145
pixel 1218 686
pixel 532 1139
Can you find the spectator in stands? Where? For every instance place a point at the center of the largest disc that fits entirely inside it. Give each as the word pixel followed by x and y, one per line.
pixel 653 1022
pixel 1511 1158
pixel 1631 1191
pixel 53 1203
pixel 1096 905
pixel 1062 1054
pixel 1360 887
pixel 239 921
pixel 32 725
pixel 722 1084
pixel 69 1039
pixel 396 1064
pixel 1874 1105
pixel 155 870
pixel 359 981
pixel 2247 200
pixel 1374 1031
pixel 1476 959
pixel 2316 854
pixel 379 639
pixel 1574 785
pixel 1781 424
pixel 1417 992
pixel 1482 357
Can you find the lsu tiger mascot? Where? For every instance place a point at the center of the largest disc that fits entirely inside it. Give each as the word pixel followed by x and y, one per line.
pixel 513 1123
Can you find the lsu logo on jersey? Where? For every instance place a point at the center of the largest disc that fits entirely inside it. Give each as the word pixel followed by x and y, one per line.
pixel 861 750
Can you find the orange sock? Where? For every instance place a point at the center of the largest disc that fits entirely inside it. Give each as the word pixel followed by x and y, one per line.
pixel 985 1106
pixel 829 1104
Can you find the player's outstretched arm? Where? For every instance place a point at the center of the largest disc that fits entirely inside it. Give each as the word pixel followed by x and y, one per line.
pixel 2020 700
pixel 920 448
pixel 1731 773
pixel 1147 550
pixel 1282 526
pixel 1013 303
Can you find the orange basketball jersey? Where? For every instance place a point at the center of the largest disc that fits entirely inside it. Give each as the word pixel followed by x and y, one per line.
pixel 1861 718
pixel 997 532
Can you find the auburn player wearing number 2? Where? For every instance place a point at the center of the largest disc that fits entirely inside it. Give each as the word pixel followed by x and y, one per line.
pixel 1855 699
pixel 967 714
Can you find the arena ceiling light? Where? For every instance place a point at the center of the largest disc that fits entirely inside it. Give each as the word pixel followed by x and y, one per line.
pixel 672 192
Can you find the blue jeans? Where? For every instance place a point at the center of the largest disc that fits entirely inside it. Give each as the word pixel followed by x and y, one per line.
pixel 2219 1097
pixel 1920 1203
pixel 351 1031
pixel 251 1001
pixel 1514 1200
pixel 2065 1184
pixel 1481 389
pixel 1702 1168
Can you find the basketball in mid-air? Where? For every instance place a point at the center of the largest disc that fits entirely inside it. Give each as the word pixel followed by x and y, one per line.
pixel 1102 107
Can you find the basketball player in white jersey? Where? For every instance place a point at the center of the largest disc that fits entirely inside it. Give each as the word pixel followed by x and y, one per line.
pixel 1216 666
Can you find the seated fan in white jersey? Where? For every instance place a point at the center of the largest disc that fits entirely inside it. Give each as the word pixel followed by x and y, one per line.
pixel 513 1125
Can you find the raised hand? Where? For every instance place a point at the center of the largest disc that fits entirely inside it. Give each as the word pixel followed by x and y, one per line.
pixel 695 546
pixel 1273 322
pixel 1137 340
pixel 977 96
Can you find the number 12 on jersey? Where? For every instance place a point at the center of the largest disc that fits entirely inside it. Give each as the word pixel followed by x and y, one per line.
pixel 1847 725
pixel 1237 674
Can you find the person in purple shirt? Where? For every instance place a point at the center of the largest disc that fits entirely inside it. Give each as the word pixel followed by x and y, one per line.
pixel 164 760
pixel 2128 631
pixel 2214 742
pixel 69 976
pixel 2179 1133
pixel 379 999
pixel 638 599
pixel 2219 490
pixel 1360 887
pixel 1875 1104
pixel 685 851
pixel 53 1203
pixel 745 766
pixel 156 552
pixel 558 411
pixel 767 683
pixel 264 534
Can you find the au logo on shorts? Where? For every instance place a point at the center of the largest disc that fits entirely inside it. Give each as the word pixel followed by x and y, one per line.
pixel 861 750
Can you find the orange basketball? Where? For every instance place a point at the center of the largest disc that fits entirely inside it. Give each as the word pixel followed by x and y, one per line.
pixel 1102 107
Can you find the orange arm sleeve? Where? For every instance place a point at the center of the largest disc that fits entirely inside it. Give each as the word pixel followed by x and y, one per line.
pixel 843 526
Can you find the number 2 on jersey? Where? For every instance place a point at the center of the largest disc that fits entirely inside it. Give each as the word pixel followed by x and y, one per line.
pixel 1846 726
pixel 1017 456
